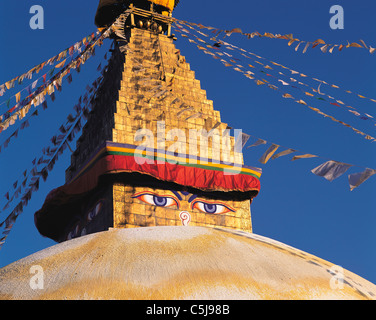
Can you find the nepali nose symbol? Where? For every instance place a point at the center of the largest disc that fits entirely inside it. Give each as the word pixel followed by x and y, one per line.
pixel 185 218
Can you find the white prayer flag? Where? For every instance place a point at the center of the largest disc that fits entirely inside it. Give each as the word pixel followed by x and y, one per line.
pixel 331 170
pixel 356 179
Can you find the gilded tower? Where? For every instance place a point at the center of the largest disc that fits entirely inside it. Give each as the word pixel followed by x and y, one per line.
pixel 153 152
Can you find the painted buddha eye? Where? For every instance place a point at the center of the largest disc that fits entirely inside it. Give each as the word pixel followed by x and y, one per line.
pixel 212 207
pixel 157 200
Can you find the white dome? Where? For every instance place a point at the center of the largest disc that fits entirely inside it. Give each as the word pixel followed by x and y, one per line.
pixel 179 263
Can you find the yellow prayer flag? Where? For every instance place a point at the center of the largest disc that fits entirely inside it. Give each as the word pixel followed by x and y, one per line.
pixel 319 41
pixel 18 97
pixel 22 113
pixel 269 35
pixel 269 153
pixel 303 156
pixel 61 64
pixel 354 45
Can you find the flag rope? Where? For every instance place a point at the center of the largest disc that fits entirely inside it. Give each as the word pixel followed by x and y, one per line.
pixel 262 81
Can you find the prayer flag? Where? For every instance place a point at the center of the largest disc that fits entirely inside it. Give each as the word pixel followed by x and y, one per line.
pixel 34 84
pixel 241 141
pixel 257 143
pixel 356 179
pixel 283 153
pixel 331 170
pixel 306 47
pixel 283 82
pixel 268 154
pixel 61 64
pixel 303 156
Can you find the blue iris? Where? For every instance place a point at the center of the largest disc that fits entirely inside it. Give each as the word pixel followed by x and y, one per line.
pixel 160 201
pixel 210 208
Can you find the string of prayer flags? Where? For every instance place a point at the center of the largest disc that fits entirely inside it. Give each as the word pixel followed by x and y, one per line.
pixel 48 160
pixel 38 96
pixel 262 81
pixel 89 50
pixel 76 48
pixel 291 39
pixel 338 103
pixel 41 100
pixel 22 113
pixel 330 170
pixel 244 54
pixel 53 153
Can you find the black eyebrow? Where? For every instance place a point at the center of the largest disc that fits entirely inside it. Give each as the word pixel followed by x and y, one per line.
pixel 177 194
pixel 192 197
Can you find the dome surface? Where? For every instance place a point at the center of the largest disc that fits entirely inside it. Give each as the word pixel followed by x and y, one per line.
pixel 178 263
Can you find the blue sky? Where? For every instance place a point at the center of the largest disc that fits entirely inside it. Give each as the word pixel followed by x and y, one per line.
pixel 294 206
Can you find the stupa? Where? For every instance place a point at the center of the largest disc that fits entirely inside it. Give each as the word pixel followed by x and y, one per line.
pixel 156 203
